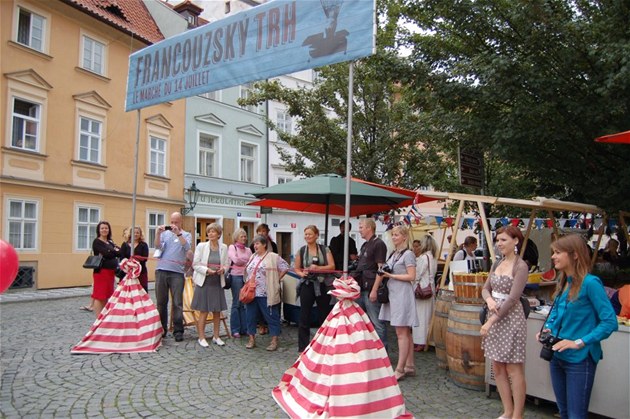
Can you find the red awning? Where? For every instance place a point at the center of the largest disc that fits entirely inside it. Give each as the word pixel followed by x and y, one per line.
pixel 619 138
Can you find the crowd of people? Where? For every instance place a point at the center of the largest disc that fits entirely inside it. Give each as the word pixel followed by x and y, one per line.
pixel 580 318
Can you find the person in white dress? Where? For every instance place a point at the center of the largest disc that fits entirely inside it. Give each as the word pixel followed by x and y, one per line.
pixel 426 267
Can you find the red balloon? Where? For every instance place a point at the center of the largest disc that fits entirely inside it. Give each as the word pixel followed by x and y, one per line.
pixel 9 264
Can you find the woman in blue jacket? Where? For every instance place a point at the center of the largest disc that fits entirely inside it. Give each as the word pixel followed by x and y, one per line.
pixel 581 318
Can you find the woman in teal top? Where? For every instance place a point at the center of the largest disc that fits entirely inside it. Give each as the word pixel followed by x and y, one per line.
pixel 581 318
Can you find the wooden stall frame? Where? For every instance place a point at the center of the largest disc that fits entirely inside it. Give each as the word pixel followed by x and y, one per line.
pixel 536 205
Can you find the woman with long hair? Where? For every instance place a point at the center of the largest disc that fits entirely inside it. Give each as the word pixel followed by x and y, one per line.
pixel 582 316
pixel 239 254
pixel 311 259
pixel 505 331
pixel 401 309
pixel 104 277
pixel 426 267
pixel 140 253
pixel 209 264
pixel 267 269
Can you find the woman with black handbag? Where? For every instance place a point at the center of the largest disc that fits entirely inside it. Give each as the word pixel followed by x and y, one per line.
pixel 105 276
pixel 400 271
pixel 311 259
pixel 426 267
pixel 505 331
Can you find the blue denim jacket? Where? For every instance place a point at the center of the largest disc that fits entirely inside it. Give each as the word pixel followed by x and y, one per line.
pixel 590 317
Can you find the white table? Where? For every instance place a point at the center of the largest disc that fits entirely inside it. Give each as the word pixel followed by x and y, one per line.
pixel 611 389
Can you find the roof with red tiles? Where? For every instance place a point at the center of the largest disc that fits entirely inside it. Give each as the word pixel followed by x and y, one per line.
pixel 130 16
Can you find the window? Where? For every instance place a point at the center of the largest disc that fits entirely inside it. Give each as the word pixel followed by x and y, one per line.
pixel 30 30
pixel 245 93
pixel 216 95
pixel 247 163
pixel 89 140
pixel 207 154
pixel 155 219
pixel 87 220
pixel 22 224
pixel 157 160
pixel 25 132
pixel 284 179
pixel 93 55
pixel 283 121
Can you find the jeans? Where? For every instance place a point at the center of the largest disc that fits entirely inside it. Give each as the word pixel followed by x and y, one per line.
pixel 270 314
pixel 173 281
pixel 238 321
pixel 372 309
pixel 572 385
pixel 307 298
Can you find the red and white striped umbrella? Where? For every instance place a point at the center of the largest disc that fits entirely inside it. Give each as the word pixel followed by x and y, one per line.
pixel 128 323
pixel 345 370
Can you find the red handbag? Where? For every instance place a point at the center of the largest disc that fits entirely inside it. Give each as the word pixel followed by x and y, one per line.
pixel 248 292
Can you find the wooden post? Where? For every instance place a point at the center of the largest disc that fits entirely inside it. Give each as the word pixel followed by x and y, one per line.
pixel 599 240
pixel 529 230
pixel 486 230
pixel 451 252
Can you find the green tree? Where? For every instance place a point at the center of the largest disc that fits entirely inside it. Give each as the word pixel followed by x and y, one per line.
pixel 386 146
pixel 530 83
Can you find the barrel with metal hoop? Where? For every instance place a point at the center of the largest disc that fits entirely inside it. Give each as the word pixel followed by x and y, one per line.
pixel 466 361
pixel 443 303
pixel 468 287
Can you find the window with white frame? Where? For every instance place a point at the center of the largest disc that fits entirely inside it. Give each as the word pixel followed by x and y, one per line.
pixel 30 29
pixel 245 93
pixel 157 156
pixel 215 95
pixel 93 55
pixel 283 121
pixel 87 220
pixel 89 140
pixel 284 179
pixel 207 154
pixel 155 219
pixel 22 221
pixel 248 163
pixel 26 121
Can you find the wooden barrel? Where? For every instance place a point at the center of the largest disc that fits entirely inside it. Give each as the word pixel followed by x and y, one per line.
pixel 468 287
pixel 466 361
pixel 442 306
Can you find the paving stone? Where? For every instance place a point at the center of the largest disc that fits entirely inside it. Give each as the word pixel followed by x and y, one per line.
pixel 40 378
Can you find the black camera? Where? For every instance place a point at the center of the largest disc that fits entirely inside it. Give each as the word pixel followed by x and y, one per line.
pixel 547 340
pixel 353 265
pixel 384 269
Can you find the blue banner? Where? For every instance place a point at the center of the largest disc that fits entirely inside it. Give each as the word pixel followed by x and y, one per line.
pixel 279 37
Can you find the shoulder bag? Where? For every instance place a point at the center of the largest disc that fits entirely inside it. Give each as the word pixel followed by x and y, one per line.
pixel 93 262
pixel 382 293
pixel 424 293
pixel 248 292
pixel 228 274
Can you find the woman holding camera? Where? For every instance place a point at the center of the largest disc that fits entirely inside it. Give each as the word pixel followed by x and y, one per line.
pixel 311 259
pixel 582 316
pixel 400 269
pixel 505 331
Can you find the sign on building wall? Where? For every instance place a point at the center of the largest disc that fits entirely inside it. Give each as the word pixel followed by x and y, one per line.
pixel 279 37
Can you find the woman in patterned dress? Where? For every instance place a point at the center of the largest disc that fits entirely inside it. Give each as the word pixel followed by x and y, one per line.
pixel 505 331
pixel 400 312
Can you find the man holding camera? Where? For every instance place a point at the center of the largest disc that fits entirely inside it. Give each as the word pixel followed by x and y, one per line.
pixel 174 243
pixel 372 257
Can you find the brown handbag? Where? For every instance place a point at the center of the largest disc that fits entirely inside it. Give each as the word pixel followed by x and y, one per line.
pixel 248 292
pixel 423 293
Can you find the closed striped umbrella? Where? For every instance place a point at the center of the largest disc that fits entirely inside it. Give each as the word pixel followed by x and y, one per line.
pixel 128 323
pixel 345 370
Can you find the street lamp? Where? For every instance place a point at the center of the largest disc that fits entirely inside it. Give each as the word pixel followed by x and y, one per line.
pixel 192 195
pixel 445 211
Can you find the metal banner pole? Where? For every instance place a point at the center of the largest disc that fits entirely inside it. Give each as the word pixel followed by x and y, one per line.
pixel 135 184
pixel 348 169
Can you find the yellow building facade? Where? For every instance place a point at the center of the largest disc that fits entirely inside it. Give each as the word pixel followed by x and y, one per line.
pixel 68 146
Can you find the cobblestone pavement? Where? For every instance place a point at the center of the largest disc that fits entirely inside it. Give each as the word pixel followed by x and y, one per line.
pixel 40 378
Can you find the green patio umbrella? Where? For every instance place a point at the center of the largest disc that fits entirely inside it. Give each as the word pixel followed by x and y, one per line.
pixel 326 194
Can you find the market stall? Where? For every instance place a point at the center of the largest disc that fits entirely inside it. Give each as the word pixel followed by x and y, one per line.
pixel 458 336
